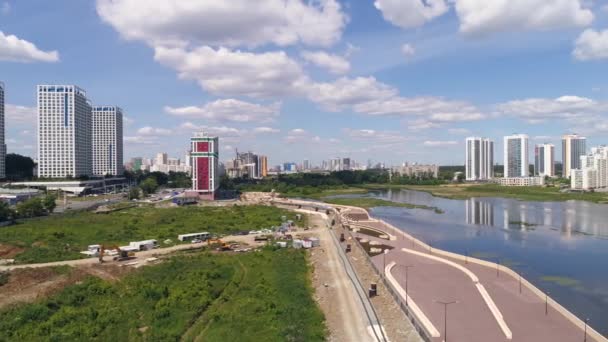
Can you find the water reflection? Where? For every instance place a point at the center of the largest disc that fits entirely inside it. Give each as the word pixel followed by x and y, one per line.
pixel 479 212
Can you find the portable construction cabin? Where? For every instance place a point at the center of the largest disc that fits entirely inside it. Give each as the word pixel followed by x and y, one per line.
pixel 144 245
pixel 297 244
pixel 192 236
pixel 315 242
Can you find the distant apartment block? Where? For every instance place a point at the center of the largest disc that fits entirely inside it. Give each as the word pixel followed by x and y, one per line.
pixel 2 135
pixel 64 132
pixel 107 141
pixel 205 165
pixel 593 171
pixel 416 170
pixel 516 156
pixel 573 147
pixel 544 160
pixel 479 159
pixel 521 181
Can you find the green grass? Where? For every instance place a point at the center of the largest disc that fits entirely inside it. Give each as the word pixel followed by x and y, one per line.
pixel 260 296
pixel 62 237
pixel 561 281
pixel 320 194
pixel 367 202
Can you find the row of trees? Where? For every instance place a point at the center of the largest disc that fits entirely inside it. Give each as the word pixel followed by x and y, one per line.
pixel 33 207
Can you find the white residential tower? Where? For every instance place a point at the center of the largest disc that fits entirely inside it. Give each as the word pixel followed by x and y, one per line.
pixel 544 160
pixel 516 159
pixel 573 147
pixel 479 159
pixel 64 132
pixel 107 141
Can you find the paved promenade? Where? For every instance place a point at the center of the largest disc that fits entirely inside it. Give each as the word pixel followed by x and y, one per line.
pixel 489 306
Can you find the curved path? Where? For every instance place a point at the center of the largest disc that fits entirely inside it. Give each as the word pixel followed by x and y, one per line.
pixel 472 318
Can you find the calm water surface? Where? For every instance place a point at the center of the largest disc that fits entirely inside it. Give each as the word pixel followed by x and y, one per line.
pixel 562 247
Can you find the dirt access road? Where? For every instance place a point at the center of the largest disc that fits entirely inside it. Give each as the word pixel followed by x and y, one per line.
pixel 335 293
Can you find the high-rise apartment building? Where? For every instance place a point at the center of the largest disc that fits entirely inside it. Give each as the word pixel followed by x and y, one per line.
pixel 573 147
pixel 205 165
pixel 64 132
pixel 516 156
pixel 544 160
pixel 306 165
pixel 107 141
pixel 2 138
pixel 263 165
pixel 479 159
pixel 161 159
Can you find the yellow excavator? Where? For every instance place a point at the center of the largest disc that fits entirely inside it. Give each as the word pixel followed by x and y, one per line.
pixel 122 255
pixel 221 244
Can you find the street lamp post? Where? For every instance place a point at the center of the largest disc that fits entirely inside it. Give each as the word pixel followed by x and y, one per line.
pixel 407 267
pixel 546 303
pixel 586 323
pixel 466 257
pixel 519 282
pixel 445 317
pixel 384 253
pixel 497 267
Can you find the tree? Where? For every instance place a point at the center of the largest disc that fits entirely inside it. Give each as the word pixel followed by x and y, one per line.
pixel 6 213
pixel 49 203
pixel 19 167
pixel 31 208
pixel 149 185
pixel 134 193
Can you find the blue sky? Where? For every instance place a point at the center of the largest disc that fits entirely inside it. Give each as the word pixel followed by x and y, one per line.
pixel 387 80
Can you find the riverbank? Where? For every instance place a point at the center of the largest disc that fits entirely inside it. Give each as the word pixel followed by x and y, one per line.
pixel 526 193
pixel 521 311
pixel 369 202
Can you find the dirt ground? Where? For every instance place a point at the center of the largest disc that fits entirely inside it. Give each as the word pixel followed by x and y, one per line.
pixel 27 285
pixel 344 315
pixel 392 318
pixel 9 252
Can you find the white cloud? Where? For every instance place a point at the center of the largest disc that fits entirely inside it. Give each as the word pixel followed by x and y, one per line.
pixel 408 50
pixel 346 92
pixel 139 139
pixel 220 131
pixel 591 45
pixel 537 110
pixel 439 143
pixel 13 49
pixel 262 130
pixel 225 23
pixel 297 131
pixel 459 131
pixel 481 17
pixel 226 72
pixel 333 63
pixel 229 110
pixel 152 131
pixel 20 114
pixel 411 13
pixel 376 136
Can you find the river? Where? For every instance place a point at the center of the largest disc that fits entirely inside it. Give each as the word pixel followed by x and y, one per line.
pixel 561 247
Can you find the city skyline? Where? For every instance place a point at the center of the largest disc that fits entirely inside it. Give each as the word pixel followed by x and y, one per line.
pixel 409 93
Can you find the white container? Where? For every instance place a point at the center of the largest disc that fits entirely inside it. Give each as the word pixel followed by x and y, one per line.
pixel 282 244
pixel 307 244
pixel 297 244
pixel 315 242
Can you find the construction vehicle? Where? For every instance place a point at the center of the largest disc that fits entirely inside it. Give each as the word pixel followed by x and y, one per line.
pixel 122 255
pixel 221 245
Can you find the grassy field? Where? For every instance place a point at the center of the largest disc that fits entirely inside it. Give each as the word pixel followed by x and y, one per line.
pixel 320 194
pixel 62 237
pixel 530 193
pixel 260 296
pixel 376 202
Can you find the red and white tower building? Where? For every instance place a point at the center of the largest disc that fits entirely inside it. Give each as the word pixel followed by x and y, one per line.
pixel 205 165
